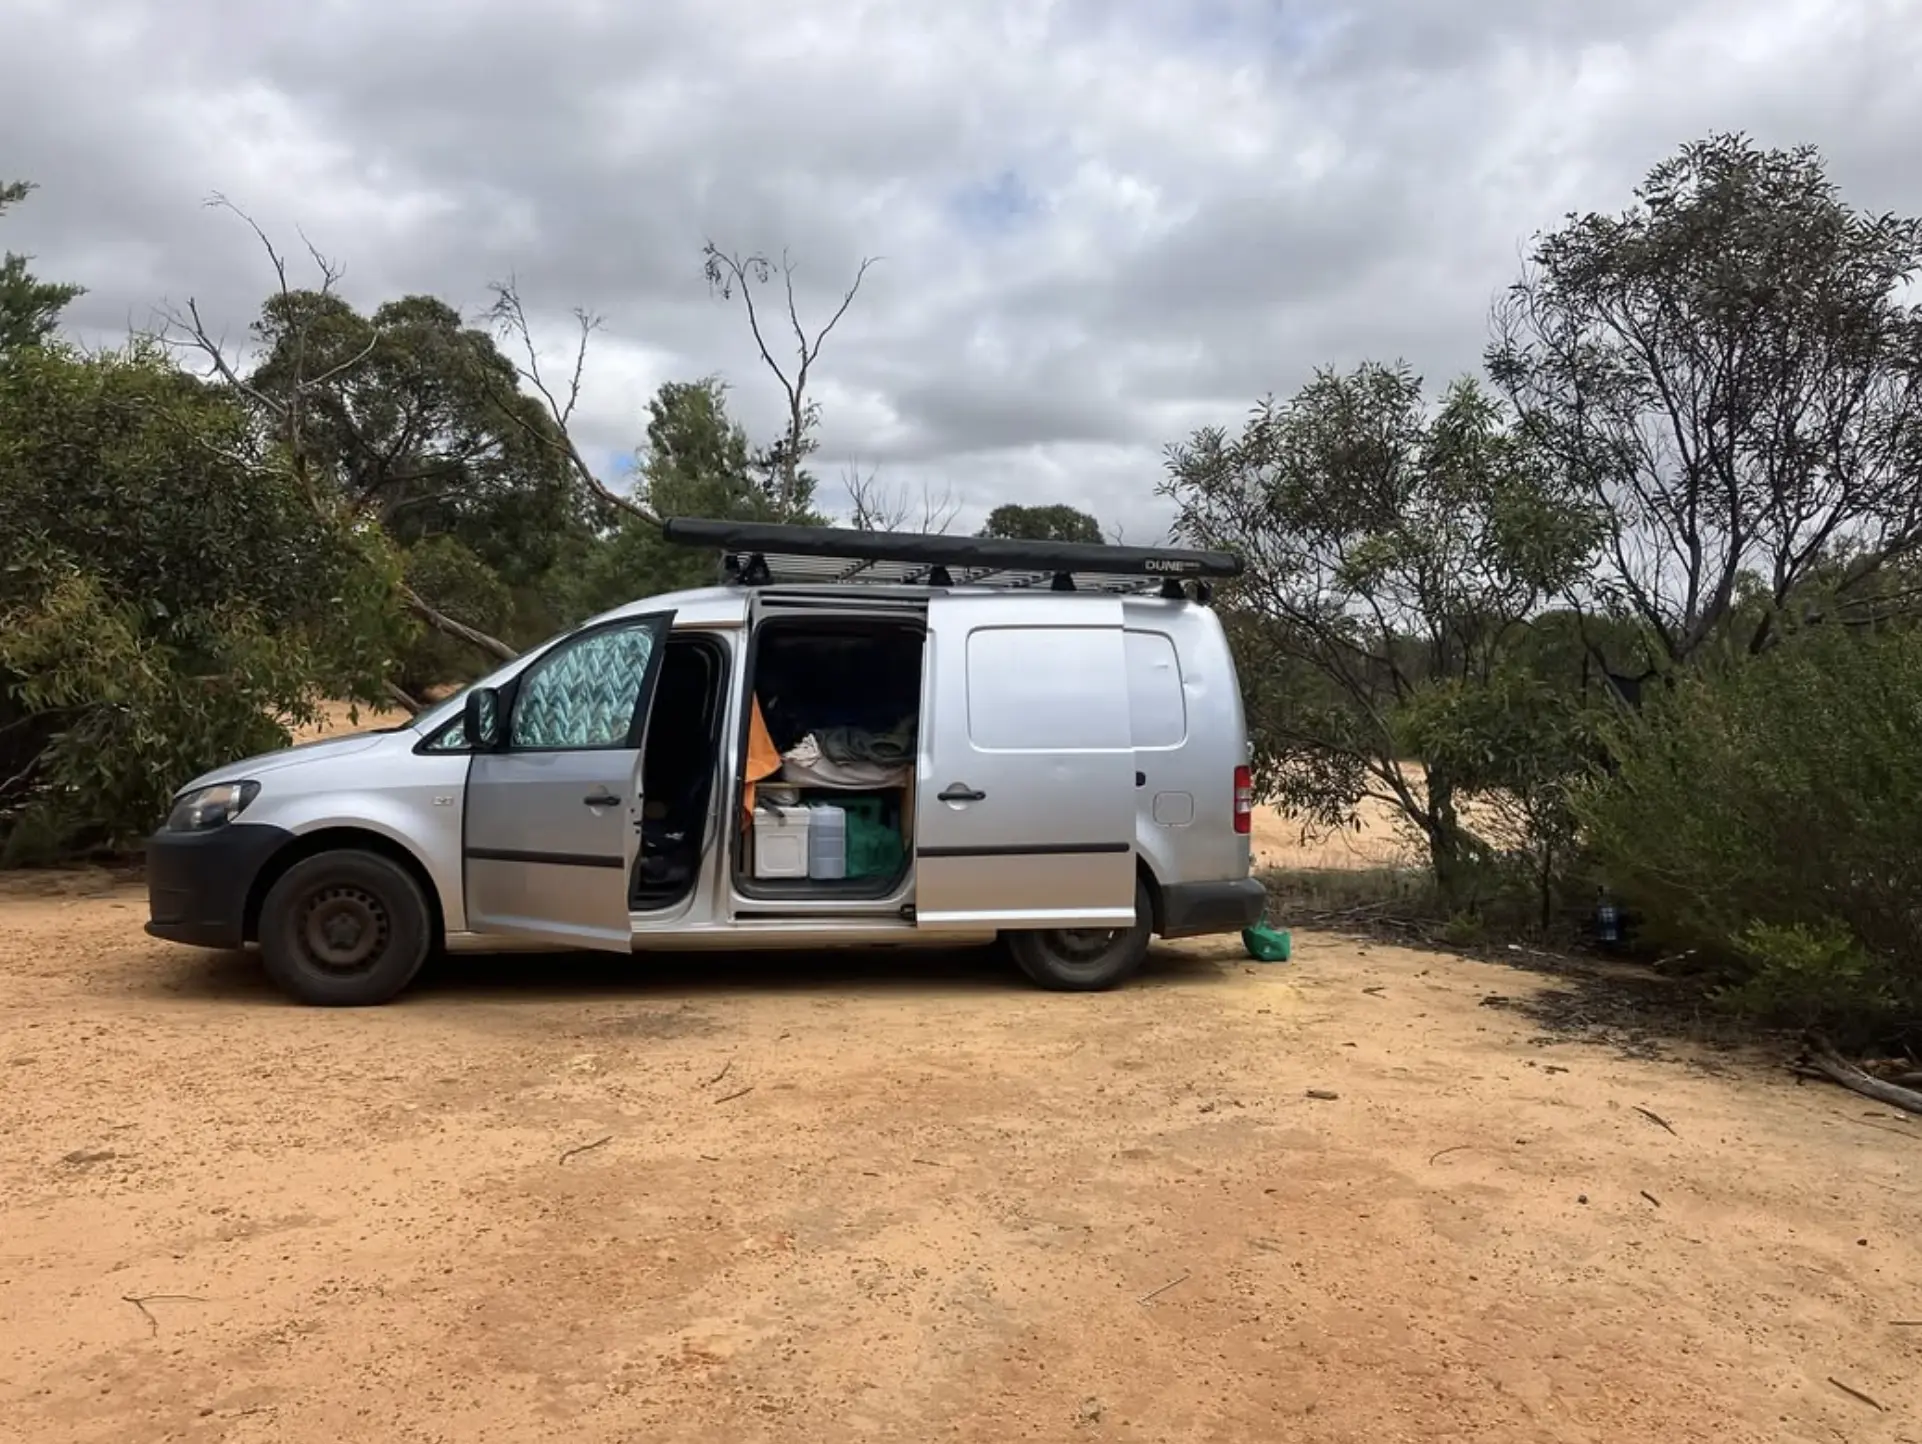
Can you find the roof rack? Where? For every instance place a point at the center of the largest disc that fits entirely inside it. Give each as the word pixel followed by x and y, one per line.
pixel 767 553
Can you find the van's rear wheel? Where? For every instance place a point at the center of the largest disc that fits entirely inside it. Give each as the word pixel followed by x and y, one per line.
pixel 345 929
pixel 1086 960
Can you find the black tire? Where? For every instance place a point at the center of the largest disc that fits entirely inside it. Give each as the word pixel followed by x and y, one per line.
pixel 1086 960
pixel 345 929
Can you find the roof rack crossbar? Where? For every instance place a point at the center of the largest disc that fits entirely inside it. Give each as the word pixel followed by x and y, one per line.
pixel 928 551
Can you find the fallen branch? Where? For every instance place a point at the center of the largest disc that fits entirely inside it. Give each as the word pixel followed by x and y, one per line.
pixel 140 1301
pixel 1657 1118
pixel 720 1075
pixel 1870 1122
pixel 402 699
pixel 1855 1393
pixel 441 622
pixel 1651 1198
pixel 1439 1154
pixel 1819 1059
pixel 1151 1296
pixel 737 1093
pixel 587 1147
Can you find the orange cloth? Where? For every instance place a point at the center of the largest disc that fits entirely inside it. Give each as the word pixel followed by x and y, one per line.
pixel 762 760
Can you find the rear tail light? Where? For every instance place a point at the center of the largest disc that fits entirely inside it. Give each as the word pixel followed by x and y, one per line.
pixel 1244 800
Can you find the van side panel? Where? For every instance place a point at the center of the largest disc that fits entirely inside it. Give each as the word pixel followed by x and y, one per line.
pixel 1190 733
pixel 1023 810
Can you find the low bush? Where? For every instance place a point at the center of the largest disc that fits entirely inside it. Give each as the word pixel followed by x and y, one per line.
pixel 1765 813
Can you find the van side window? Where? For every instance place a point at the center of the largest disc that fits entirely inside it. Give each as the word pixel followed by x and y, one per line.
pixel 585 693
pixel 1045 689
pixel 1157 707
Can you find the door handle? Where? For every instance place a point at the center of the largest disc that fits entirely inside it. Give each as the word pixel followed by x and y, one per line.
pixel 960 794
pixel 600 799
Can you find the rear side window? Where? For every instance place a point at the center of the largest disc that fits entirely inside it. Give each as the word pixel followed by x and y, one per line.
pixel 1047 689
pixel 1157 707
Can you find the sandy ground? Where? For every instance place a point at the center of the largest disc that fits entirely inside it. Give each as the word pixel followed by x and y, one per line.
pixel 908 1198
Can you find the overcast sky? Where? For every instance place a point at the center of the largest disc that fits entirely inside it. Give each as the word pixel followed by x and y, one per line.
pixel 1103 222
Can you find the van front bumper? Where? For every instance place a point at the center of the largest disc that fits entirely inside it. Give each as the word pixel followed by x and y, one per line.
pixel 1194 909
pixel 198 882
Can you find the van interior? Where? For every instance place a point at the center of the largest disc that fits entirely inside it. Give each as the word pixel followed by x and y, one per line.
pixel 678 771
pixel 827 760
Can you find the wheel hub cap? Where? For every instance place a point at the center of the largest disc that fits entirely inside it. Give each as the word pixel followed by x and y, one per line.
pixel 345 928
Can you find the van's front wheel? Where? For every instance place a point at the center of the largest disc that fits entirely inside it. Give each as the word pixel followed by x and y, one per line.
pixel 1086 960
pixel 344 929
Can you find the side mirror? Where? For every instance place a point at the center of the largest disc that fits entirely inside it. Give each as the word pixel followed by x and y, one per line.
pixel 481 719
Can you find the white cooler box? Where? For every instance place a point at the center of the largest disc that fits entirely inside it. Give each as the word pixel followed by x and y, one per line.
pixel 780 841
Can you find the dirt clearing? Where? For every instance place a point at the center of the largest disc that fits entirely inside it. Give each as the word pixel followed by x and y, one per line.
pixel 909 1198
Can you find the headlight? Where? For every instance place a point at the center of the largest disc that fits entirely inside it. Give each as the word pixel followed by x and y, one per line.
pixel 210 807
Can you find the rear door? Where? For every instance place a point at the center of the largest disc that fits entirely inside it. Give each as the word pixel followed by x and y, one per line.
pixel 1025 806
pixel 553 821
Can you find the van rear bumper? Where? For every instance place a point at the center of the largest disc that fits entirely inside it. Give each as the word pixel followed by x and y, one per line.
pixel 1192 909
pixel 198 882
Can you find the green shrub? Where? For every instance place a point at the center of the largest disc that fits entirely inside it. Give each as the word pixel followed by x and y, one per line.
pixel 1765 812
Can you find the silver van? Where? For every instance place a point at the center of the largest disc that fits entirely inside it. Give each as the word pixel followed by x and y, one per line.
pixel 858 738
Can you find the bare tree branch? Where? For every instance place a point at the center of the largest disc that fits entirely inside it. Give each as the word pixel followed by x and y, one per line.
pixel 873 505
pixel 286 411
pixel 510 319
pixel 189 331
pixel 729 273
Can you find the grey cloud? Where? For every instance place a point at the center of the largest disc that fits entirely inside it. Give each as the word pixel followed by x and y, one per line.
pixel 591 148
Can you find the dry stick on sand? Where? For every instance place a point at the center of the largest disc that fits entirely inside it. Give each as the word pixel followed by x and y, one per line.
pixel 1157 1293
pixel 586 1147
pixel 140 1301
pixel 737 1093
pixel 1820 1060
pixel 1858 1394
pixel 1656 1118
pixel 720 1075
pixel 1440 1153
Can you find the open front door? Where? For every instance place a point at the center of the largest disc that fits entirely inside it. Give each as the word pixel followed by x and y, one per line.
pixel 1025 803
pixel 554 818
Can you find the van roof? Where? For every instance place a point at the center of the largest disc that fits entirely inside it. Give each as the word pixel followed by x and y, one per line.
pixel 754 554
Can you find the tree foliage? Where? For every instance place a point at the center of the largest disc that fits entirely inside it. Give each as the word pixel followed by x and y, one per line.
pixel 164 605
pixel 697 462
pixel 29 307
pixel 1041 523
pixel 415 419
pixel 1387 552
pixel 1729 372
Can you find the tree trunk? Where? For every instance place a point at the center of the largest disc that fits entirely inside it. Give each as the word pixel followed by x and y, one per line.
pixel 1448 849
